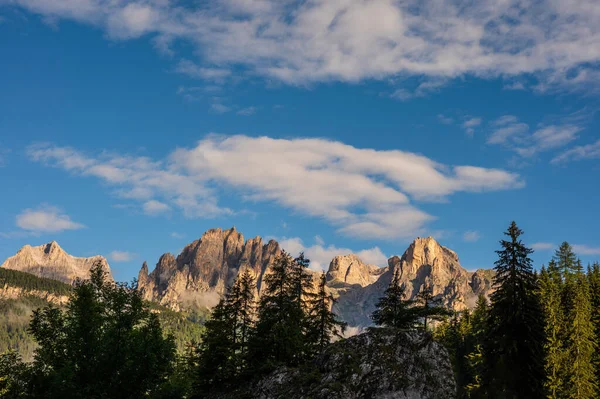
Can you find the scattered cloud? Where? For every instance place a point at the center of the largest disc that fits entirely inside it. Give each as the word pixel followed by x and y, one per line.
pixel 551 43
pixel 446 120
pixel 508 131
pixel 219 108
pixel 364 193
pixel 177 235
pixel 514 86
pixel 121 256
pixel 586 250
pixel 247 111
pixel 46 219
pixel 217 75
pixel 470 124
pixel 423 89
pixel 543 246
pixel 321 255
pixel 471 236
pixel 588 151
pixel 154 207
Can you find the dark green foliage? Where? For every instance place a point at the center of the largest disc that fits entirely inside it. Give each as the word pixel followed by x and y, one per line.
pixel 430 306
pixel 279 336
pixel 105 344
pixel 29 282
pixel 594 281
pixel 223 350
pixel 392 310
pixel 463 336
pixel 514 348
pixel 323 324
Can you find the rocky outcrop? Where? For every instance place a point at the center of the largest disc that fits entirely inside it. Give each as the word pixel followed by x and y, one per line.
pixel 349 269
pixel 382 363
pixel 203 270
pixel 425 262
pixel 51 261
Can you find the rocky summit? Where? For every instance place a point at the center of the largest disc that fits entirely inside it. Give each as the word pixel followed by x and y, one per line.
pixel 51 261
pixel 203 270
pixel 200 274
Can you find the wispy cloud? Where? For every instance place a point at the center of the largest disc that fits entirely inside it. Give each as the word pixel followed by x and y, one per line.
pixel 154 207
pixel 46 219
pixel 177 235
pixel 219 108
pixel 580 249
pixel 554 43
pixel 446 120
pixel 121 256
pixel 543 246
pixel 588 151
pixel 247 111
pixel 471 236
pixel 510 132
pixel 363 192
pixel 470 124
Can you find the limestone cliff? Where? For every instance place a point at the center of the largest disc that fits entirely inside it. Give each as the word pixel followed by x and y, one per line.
pixel 205 268
pixel 425 262
pixel 51 261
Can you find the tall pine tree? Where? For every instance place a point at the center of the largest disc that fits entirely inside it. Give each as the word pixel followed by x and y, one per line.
pixel 594 281
pixel 514 348
pixel 323 323
pixel 392 310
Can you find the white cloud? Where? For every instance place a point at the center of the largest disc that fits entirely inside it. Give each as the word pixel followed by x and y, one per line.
pixel 121 256
pixel 446 120
pixel 247 111
pixel 508 131
pixel 187 67
pixel 542 246
pixel 321 255
pixel 177 235
pixel 46 219
pixel 555 43
pixel 154 207
pixel 362 192
pixel 471 236
pixel 219 108
pixel 470 124
pixel 588 151
pixel 585 250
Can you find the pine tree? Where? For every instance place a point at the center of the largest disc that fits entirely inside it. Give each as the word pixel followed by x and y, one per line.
pixel 392 310
pixel 475 358
pixel 566 260
pixel 551 286
pixel 582 343
pixel 279 337
pixel 594 281
pixel 323 323
pixel 243 308
pixel 513 349
pixel 430 307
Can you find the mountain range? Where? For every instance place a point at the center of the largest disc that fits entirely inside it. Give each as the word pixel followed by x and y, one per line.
pixel 201 273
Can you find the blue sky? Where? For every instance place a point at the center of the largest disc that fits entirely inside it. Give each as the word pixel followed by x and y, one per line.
pixel 129 128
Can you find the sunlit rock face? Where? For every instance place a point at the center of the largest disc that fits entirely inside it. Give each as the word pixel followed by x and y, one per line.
pixel 205 268
pixel 51 261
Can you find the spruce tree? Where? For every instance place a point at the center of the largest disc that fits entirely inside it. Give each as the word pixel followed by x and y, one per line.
pixel 594 281
pixel 392 310
pixel 279 337
pixel 475 358
pixel 323 323
pixel 513 349
pixel 429 306
pixel 555 365
pixel 582 344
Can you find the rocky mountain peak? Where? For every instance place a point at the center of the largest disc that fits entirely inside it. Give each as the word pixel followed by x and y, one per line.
pixel 350 269
pixel 51 261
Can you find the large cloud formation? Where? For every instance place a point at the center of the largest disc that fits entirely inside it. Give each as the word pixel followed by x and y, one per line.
pixel 362 192
pixel 555 41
